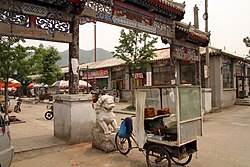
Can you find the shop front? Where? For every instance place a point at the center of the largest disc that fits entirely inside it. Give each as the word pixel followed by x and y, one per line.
pixel 242 72
pixel 98 78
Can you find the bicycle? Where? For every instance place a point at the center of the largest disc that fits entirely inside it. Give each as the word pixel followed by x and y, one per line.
pixel 123 144
pixel 157 153
pixel 17 107
pixel 49 114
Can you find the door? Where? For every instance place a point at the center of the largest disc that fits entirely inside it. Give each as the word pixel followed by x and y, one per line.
pixel 240 88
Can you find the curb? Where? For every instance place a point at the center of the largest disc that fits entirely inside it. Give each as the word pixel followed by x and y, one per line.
pixel 19 151
pixel 125 112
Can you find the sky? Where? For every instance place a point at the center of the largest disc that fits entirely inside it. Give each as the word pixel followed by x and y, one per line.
pixel 228 23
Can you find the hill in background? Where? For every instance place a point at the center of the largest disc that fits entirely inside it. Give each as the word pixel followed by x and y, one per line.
pixel 85 56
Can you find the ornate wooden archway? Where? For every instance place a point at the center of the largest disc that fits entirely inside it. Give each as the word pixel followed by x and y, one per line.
pixel 58 20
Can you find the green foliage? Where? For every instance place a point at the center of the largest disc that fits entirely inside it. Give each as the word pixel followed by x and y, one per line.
pixel 13 58
pixel 247 41
pixel 44 61
pixel 214 110
pixel 136 48
pixel 130 108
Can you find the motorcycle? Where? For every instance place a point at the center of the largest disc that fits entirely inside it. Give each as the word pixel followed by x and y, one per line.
pixel 49 114
pixel 17 107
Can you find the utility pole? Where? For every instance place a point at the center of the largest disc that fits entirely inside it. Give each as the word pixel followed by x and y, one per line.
pixel 196 17
pixel 95 41
pixel 196 25
pixel 205 17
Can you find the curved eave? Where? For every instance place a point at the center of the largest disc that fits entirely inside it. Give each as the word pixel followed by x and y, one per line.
pixel 198 40
pixel 175 7
pixel 63 4
pixel 169 7
pixel 192 34
pixel 166 8
pixel 191 29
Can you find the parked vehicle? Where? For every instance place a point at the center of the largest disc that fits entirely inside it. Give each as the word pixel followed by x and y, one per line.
pixel 17 107
pixel 6 150
pixel 49 114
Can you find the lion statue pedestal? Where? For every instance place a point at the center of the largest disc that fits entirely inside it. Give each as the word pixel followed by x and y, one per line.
pixel 106 125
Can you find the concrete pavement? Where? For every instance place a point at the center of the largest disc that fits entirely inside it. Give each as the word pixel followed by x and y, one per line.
pixel 33 131
pixel 224 142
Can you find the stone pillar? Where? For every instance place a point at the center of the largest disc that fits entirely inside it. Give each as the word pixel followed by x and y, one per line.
pixel 206 100
pixel 74 56
pixel 173 63
pixel 216 81
pixel 74 118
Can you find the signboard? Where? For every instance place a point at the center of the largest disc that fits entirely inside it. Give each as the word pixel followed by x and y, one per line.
pixel 138 75
pixel 149 78
pixel 129 16
pixel 100 73
pixel 205 71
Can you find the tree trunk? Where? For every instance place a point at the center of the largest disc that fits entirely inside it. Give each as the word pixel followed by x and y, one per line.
pixel 133 91
pixel 6 94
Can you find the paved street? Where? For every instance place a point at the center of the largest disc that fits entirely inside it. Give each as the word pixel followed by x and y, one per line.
pixel 225 143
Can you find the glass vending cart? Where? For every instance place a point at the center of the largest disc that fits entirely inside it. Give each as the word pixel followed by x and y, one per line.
pixel 172 124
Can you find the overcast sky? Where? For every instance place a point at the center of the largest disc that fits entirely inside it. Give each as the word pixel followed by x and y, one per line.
pixel 228 21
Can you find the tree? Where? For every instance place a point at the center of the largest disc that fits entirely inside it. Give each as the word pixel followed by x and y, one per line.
pixel 44 60
pixel 13 57
pixel 136 49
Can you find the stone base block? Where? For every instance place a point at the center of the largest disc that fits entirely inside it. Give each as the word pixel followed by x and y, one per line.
pixel 103 142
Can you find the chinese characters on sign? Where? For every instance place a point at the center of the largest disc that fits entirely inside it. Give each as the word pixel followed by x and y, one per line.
pixel 149 78
pixel 100 73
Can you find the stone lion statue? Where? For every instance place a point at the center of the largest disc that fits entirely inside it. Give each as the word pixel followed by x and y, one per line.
pixel 104 113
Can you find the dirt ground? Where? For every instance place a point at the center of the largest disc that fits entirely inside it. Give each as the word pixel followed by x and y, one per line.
pixel 225 143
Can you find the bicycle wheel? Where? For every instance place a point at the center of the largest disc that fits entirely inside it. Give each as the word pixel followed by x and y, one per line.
pixel 17 109
pixel 183 161
pixel 157 156
pixel 122 144
pixel 49 115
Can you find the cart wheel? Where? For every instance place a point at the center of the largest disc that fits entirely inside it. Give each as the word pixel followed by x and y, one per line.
pixel 122 144
pixel 157 156
pixel 183 161
pixel 49 115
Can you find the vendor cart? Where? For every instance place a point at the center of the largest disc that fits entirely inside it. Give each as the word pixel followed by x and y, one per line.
pixel 167 125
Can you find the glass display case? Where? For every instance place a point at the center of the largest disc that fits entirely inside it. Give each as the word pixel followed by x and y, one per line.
pixel 181 122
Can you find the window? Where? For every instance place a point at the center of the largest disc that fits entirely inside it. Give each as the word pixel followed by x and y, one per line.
pixel 161 75
pixel 239 69
pixel 188 72
pixel 227 71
